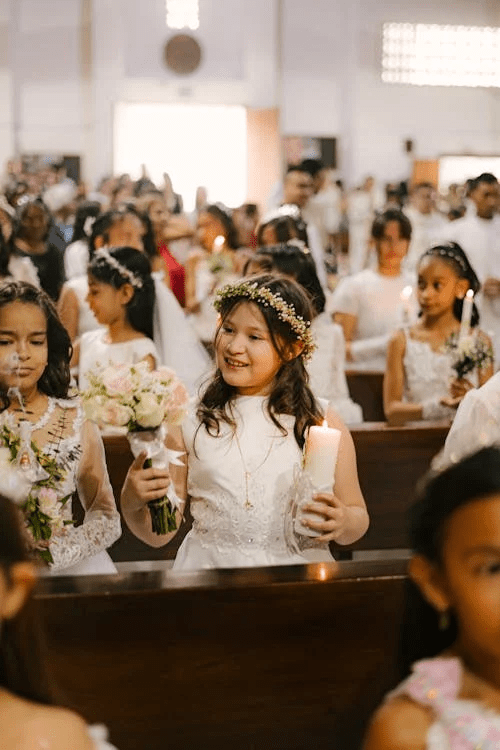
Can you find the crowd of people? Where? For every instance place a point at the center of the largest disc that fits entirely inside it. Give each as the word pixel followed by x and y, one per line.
pixel 261 317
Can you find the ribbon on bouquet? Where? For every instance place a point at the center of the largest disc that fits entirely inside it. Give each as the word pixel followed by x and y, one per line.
pixel 152 442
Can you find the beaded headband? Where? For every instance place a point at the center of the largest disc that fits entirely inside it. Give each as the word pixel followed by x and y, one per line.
pixel 445 252
pixel 104 255
pixel 285 312
pixel 287 209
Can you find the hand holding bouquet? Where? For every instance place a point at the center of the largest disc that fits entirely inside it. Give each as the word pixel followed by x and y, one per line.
pixel 143 403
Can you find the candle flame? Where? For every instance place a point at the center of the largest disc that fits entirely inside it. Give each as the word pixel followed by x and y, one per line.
pixel 470 294
pixel 406 293
pixel 218 243
pixel 324 423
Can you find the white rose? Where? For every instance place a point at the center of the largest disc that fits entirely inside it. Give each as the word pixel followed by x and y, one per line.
pixel 148 412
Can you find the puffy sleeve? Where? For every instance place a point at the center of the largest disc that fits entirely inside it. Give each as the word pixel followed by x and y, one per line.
pixel 101 526
pixel 474 427
pixel 345 298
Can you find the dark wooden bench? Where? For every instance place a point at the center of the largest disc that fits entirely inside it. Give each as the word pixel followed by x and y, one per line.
pixel 277 658
pixel 366 389
pixel 391 460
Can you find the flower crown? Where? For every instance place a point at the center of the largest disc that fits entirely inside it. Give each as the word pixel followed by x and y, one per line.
pixel 104 255
pixel 286 313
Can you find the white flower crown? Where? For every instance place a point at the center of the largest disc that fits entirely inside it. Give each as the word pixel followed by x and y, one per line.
pixel 285 312
pixel 104 255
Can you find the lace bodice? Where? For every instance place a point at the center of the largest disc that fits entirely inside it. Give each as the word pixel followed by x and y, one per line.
pixel 427 372
pixel 460 724
pixel 240 488
pixel 427 376
pixel 76 444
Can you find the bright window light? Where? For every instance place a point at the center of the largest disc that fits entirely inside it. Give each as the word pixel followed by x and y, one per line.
pixel 460 168
pixel 196 145
pixel 182 14
pixel 432 55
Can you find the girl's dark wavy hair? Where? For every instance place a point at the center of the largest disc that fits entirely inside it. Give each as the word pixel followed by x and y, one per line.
pixel 226 219
pixel 140 307
pixel 56 377
pixel 291 393
pixel 439 495
pixel 291 260
pixel 452 254
pixel 286 228
pixel 23 661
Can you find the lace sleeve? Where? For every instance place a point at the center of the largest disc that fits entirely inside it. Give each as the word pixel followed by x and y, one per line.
pixel 101 526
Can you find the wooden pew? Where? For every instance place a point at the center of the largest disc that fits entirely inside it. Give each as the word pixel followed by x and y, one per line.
pixel 390 462
pixel 276 658
pixel 366 389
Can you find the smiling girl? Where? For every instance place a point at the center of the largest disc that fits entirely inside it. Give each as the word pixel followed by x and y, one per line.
pixel 419 381
pixel 244 441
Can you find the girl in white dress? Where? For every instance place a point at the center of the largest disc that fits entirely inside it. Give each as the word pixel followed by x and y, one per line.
pixel 121 296
pixel 34 379
pixel 370 305
pixel 326 366
pixel 420 381
pixel 243 441
pixel 30 718
pixel 449 639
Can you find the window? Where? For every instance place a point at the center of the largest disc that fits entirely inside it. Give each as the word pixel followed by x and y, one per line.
pixel 198 145
pixel 182 14
pixel 432 55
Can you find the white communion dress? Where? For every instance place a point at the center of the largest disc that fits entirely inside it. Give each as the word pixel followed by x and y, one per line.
pixel 97 351
pixel 240 486
pixel 428 374
pixel 76 445
pixel 326 369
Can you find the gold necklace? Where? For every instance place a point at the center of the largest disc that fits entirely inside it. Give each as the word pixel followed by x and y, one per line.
pixel 247 474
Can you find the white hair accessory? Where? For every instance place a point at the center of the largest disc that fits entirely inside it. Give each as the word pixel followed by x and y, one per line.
pixel 287 209
pixel 104 255
pixel 88 224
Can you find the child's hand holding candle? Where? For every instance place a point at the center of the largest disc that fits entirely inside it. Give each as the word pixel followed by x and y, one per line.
pixel 320 459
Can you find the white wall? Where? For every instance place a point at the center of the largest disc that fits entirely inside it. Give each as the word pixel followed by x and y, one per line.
pixel 326 78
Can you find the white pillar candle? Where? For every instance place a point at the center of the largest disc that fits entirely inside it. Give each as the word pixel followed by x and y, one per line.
pixel 322 447
pixel 466 315
pixel 405 301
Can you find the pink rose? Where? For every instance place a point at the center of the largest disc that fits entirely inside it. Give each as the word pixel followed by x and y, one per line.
pixel 115 414
pixel 117 380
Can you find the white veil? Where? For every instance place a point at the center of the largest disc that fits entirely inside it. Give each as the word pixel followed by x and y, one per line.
pixel 177 344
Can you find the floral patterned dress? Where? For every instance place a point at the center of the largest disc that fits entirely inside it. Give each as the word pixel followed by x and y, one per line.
pixel 75 447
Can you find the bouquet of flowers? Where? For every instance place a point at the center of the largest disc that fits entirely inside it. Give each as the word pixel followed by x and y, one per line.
pixel 142 402
pixel 469 353
pixel 30 478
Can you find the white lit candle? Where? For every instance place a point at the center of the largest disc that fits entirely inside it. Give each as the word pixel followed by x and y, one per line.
pixel 320 459
pixel 405 300
pixel 466 315
pixel 322 448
